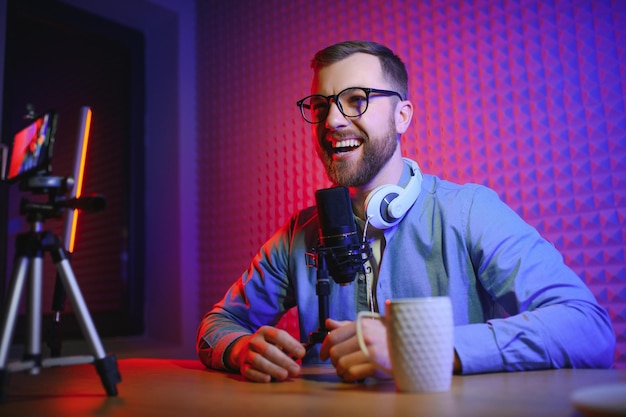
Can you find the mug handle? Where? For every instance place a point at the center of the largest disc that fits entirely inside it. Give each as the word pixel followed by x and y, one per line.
pixel 361 340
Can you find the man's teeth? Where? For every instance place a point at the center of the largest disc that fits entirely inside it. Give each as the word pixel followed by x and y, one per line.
pixel 348 143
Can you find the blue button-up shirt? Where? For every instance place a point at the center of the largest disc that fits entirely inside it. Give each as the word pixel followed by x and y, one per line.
pixel 516 305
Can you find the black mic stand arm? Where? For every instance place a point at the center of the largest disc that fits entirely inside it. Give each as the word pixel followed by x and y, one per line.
pixel 322 288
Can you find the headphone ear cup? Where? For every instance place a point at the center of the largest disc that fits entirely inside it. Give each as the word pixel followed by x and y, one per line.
pixel 387 204
pixel 377 203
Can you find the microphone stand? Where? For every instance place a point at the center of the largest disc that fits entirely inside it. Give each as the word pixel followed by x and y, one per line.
pixel 322 289
pixel 339 253
pixel 356 256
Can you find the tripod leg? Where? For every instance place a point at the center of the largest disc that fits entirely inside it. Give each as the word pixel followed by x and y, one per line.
pixel 18 279
pixel 109 374
pixel 54 334
pixel 82 313
pixel 12 303
pixel 33 313
pixel 105 365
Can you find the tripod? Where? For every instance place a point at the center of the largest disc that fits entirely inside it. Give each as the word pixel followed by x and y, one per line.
pixel 30 248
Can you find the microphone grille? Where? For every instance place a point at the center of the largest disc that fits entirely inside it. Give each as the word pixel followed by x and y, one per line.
pixel 334 209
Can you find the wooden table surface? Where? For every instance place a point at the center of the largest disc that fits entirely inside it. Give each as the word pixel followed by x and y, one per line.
pixel 184 388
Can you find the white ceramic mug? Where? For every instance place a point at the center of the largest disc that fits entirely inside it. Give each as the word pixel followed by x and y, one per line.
pixel 420 341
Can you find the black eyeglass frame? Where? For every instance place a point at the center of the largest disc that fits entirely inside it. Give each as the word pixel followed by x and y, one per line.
pixel 367 91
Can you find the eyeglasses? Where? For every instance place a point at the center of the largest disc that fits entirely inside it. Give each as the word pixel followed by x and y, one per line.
pixel 352 102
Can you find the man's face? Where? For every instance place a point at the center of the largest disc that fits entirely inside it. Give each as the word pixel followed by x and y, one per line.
pixel 354 150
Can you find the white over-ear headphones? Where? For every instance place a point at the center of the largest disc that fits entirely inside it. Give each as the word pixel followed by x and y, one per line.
pixel 386 205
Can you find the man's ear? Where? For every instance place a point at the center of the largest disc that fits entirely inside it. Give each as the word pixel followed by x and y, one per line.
pixel 404 114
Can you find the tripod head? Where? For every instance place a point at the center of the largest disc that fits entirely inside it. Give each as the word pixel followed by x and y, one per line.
pixel 55 188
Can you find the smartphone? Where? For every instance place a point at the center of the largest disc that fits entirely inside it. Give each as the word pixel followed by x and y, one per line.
pixel 32 146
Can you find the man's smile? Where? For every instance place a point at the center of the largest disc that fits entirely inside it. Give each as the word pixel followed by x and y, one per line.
pixel 345 145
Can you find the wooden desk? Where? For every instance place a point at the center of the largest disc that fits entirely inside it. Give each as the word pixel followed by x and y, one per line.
pixel 184 388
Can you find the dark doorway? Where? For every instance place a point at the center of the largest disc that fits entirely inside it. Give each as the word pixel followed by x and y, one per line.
pixel 61 58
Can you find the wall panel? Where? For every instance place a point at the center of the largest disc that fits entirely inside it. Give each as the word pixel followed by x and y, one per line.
pixel 527 97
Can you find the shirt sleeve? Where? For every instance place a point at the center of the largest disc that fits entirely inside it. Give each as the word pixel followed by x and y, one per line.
pixel 549 317
pixel 260 296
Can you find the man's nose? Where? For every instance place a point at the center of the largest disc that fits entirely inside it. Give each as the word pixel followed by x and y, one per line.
pixel 335 117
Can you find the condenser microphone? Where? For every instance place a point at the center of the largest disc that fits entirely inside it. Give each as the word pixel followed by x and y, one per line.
pixel 339 241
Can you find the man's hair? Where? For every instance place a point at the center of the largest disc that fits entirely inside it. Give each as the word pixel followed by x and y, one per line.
pixel 393 68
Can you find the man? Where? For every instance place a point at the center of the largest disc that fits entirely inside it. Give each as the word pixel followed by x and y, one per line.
pixel 516 305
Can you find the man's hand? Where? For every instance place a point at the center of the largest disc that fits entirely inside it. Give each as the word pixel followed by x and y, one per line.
pixel 342 347
pixel 266 355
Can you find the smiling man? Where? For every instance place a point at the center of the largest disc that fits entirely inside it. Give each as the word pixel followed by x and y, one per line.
pixel 516 305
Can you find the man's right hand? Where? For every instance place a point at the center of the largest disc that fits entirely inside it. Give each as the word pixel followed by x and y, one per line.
pixel 266 355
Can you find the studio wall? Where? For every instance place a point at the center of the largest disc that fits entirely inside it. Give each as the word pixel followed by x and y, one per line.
pixel 526 97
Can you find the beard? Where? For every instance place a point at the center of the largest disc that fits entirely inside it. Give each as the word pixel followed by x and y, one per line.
pixel 375 153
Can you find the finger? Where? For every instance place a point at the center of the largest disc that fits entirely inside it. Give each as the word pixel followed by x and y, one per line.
pixel 357 372
pixel 267 353
pixel 375 339
pixel 335 324
pixel 287 347
pixel 339 331
pixel 252 374
pixel 327 345
pixel 263 367
pixel 283 360
pixel 354 366
pixel 343 344
pixel 249 368
pixel 287 343
pixel 342 330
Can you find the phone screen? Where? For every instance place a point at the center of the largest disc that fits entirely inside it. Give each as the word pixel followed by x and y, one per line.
pixel 32 147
